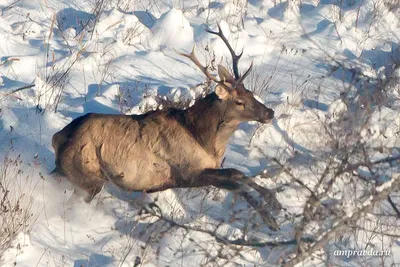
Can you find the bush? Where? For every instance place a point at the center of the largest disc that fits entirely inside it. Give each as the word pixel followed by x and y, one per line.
pixel 16 201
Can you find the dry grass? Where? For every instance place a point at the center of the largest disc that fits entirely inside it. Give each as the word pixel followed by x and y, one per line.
pixel 16 202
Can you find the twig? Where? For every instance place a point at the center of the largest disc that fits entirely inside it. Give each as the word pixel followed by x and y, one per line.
pixel 385 233
pixel 224 240
pixel 378 195
pixel 20 89
pixel 9 6
pixel 41 256
pixel 389 199
pixel 386 160
pixel 287 171
pixel 11 59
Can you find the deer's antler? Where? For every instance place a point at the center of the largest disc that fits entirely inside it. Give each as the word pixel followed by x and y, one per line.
pixel 241 78
pixel 192 57
pixel 235 58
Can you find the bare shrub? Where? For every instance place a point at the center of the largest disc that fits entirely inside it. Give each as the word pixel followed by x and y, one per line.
pixel 260 83
pixel 125 94
pixel 355 172
pixel 50 88
pixel 126 101
pixel 16 202
pixel 264 78
pixel 131 34
pixel 51 83
pixel 392 5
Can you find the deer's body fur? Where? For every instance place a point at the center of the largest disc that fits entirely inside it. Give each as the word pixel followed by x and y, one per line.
pixel 160 149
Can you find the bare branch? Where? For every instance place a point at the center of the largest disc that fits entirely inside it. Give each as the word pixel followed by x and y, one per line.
pixel 378 195
pixel 224 240
pixel 20 89
pixel 389 199
pixel 287 171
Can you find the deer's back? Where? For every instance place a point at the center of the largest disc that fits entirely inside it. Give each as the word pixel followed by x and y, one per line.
pixel 141 151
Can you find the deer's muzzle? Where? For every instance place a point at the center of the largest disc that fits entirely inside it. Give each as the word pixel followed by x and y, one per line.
pixel 266 115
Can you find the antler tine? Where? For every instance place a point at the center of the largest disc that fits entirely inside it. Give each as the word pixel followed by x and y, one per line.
pixel 193 58
pixel 240 80
pixel 235 58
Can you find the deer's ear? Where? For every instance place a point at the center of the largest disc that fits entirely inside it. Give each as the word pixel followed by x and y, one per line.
pixel 224 75
pixel 222 92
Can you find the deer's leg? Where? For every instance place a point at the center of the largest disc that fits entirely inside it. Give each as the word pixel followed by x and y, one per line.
pixel 86 186
pixel 88 192
pixel 227 177
pixel 233 180
pixel 266 194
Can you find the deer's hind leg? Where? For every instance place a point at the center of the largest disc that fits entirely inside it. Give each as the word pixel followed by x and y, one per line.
pixel 86 185
pixel 83 171
pixel 92 188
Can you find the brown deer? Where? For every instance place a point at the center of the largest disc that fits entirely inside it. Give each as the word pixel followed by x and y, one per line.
pixel 165 149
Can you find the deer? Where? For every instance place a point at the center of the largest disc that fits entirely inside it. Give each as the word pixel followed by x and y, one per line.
pixel 166 148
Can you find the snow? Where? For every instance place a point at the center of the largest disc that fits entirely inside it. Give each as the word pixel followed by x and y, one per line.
pixel 172 30
pixel 125 60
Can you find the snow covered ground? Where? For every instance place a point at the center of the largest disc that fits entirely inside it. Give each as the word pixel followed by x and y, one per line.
pixel 329 68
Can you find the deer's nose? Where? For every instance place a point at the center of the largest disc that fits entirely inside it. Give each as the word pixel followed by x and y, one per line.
pixel 266 115
pixel 270 113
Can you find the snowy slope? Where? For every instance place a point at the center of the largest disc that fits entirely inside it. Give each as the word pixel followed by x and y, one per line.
pixel 311 61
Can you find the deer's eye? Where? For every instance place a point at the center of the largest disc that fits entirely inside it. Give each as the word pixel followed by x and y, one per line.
pixel 239 102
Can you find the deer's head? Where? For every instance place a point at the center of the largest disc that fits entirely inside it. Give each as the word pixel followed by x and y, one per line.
pixel 240 103
pixel 237 103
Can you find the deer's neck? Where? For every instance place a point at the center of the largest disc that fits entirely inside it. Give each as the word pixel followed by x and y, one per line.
pixel 205 120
